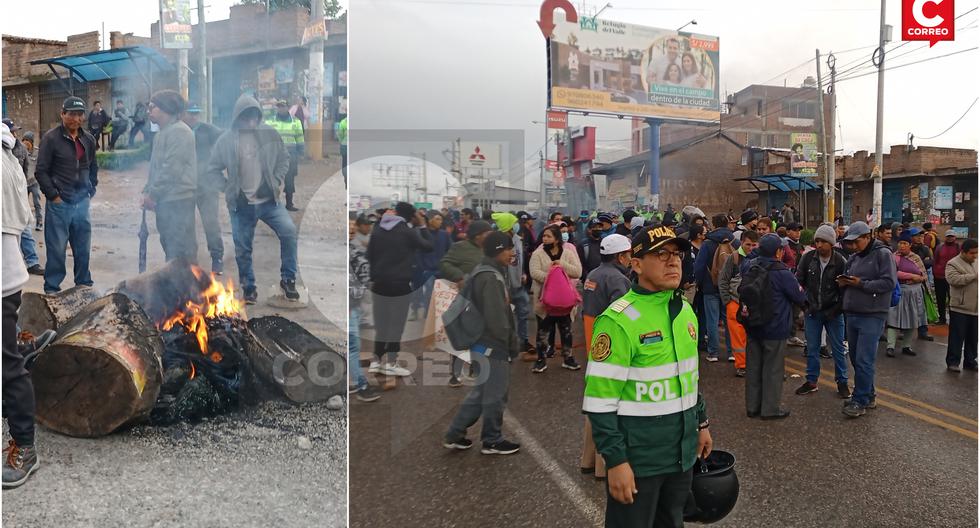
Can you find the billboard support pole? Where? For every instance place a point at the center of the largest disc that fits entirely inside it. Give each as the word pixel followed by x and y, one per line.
pixel 654 162
pixel 828 192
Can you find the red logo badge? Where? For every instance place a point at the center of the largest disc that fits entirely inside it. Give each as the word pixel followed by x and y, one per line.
pixel 930 20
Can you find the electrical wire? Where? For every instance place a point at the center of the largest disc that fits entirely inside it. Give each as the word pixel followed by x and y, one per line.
pixel 888 68
pixel 955 122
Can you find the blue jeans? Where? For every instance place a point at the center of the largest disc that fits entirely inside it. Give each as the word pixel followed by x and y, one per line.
pixel 522 310
pixel 357 378
pixel 243 222
pixel 423 294
pixel 67 223
pixel 28 247
pixel 863 332
pixel 712 314
pixel 814 325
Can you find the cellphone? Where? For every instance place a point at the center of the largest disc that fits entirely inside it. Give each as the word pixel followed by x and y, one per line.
pixel 839 277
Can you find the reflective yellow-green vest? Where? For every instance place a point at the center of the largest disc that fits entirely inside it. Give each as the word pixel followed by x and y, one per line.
pixel 291 131
pixel 342 132
pixel 641 383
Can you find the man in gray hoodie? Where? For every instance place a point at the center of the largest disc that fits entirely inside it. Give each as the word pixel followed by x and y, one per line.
pixel 171 189
pixel 868 281
pixel 256 161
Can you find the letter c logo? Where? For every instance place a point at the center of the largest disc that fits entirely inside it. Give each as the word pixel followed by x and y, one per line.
pixel 920 17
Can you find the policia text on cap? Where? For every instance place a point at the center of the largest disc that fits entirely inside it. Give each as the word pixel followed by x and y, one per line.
pixel 648 419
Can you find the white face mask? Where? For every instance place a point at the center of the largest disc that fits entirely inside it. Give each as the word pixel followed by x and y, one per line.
pixel 564 237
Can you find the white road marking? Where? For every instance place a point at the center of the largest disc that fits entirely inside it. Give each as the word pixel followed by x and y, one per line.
pixel 587 507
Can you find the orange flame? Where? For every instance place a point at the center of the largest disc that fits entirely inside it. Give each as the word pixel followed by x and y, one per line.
pixel 193 370
pixel 216 300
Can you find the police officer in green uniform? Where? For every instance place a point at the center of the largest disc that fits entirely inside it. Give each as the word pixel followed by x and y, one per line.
pixel 291 131
pixel 641 390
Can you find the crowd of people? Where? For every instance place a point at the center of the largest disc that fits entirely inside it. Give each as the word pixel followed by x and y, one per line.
pixel 741 287
pixel 192 162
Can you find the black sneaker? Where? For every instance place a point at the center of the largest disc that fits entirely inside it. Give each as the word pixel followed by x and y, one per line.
pixel 502 447
pixel 30 346
pixel 570 363
pixel 971 368
pixel 289 289
pixel 35 270
pixel 872 403
pixel 368 394
pixel 926 337
pixel 251 294
pixel 824 353
pixel 18 464
pixel 890 352
pixel 807 388
pixel 461 444
pixel 739 373
pixel 908 351
pixel 843 391
pixel 217 266
pixel 291 208
pixel 550 353
pixel 539 366
pixel 455 383
pixel 853 410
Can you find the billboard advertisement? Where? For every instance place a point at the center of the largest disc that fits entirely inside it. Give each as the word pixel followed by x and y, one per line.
pixel 600 66
pixel 477 155
pixel 175 24
pixel 803 160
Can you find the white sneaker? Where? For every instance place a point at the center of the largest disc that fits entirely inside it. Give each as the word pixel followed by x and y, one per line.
pixel 374 368
pixel 392 369
pixel 711 359
pixel 731 358
pixel 795 341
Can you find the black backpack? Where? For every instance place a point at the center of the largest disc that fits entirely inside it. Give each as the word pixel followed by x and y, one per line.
pixel 463 321
pixel 755 297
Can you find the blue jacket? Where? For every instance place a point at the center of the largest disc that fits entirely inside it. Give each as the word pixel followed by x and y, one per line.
pixel 702 264
pixel 428 261
pixel 786 292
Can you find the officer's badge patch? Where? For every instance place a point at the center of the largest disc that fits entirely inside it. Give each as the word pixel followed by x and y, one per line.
pixel 692 331
pixel 601 347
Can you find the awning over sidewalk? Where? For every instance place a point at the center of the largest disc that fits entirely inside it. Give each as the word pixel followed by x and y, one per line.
pixel 781 182
pixel 109 64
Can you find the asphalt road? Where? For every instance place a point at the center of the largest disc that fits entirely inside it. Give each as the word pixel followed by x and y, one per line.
pixel 253 467
pixel 910 462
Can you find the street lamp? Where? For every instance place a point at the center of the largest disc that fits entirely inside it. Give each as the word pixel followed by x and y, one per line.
pixel 691 23
pixel 607 6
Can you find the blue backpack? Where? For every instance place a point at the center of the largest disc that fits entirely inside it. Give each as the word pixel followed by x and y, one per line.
pixel 896 295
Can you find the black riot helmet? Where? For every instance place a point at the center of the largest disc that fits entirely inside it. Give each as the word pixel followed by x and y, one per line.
pixel 714 490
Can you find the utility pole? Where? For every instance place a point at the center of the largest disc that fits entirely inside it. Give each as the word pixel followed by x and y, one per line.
pixel 202 59
pixel 832 166
pixel 541 198
pixel 876 173
pixel 182 74
pixel 314 143
pixel 542 211
pixel 828 191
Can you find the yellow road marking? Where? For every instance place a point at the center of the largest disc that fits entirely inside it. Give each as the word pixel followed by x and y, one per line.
pixel 903 410
pixel 905 399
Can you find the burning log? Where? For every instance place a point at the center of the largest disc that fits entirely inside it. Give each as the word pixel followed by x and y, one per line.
pixel 39 312
pixel 167 290
pixel 293 359
pixel 103 372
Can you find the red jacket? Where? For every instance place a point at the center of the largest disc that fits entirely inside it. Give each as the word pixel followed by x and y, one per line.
pixel 944 253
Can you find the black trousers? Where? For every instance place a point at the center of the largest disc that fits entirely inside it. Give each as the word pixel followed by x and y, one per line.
pixel 18 391
pixel 546 333
pixel 962 339
pixel 290 185
pixel 942 297
pixel 389 302
pixel 659 503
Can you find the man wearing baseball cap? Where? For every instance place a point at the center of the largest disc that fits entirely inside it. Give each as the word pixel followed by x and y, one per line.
pixel 642 376
pixel 291 131
pixel 869 278
pixel 603 285
pixel 68 174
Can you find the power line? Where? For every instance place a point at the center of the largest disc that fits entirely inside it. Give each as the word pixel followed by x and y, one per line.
pixel 909 63
pixel 955 122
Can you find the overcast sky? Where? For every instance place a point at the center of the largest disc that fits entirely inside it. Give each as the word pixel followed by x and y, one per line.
pixel 481 63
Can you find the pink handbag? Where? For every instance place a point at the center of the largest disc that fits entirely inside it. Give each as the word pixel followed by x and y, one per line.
pixel 558 295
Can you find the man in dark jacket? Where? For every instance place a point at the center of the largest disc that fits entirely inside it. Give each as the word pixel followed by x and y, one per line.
pixel 946 252
pixel 68 175
pixel 495 350
pixel 589 249
pixel 868 281
pixel 205 136
pixel 765 351
pixel 256 162
pixel 391 254
pixel 817 273
pixel 97 121
pixel 705 278
pixel 427 263
pixel 120 123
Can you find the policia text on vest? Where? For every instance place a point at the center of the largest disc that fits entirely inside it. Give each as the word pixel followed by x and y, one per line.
pixel 648 419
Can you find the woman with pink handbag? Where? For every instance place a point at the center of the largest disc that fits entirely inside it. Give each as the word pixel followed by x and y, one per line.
pixel 554 269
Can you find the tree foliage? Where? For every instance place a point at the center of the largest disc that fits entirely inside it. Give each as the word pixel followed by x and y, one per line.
pixel 331 8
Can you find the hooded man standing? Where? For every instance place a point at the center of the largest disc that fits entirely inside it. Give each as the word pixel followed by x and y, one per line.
pixel 256 162
pixel 291 131
pixel 171 190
